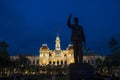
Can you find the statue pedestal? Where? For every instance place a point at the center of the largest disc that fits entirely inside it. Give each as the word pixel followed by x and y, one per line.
pixel 81 71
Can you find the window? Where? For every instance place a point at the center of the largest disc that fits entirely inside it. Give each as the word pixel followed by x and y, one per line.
pixel 50 55
pixel 65 62
pixel 41 55
pixel 53 62
pixel 92 62
pixel 33 61
pixel 65 55
pixel 84 61
pixel 88 61
pixel 37 61
pixel 43 62
pixel 50 62
pixel 57 62
pixel 61 62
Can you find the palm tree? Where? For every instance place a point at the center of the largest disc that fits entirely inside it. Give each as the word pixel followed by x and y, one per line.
pixel 113 44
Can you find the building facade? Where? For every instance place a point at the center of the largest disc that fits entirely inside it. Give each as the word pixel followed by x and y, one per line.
pixel 59 56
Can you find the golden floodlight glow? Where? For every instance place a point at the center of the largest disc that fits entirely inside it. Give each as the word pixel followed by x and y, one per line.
pixel 72 61
pixel 54 60
pixel 43 62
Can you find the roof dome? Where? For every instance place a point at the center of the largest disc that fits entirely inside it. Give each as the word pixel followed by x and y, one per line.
pixel 44 47
pixel 70 47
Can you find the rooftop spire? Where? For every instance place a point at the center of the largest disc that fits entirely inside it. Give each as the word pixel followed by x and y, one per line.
pixel 58 29
pixel 57 45
pixel 57 34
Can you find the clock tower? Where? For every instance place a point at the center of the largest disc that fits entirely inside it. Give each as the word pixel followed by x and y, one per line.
pixel 57 45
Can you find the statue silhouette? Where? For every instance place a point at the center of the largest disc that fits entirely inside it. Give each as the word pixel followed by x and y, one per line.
pixel 77 39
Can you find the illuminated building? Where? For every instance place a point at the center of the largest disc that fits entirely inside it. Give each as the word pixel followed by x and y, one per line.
pixel 59 56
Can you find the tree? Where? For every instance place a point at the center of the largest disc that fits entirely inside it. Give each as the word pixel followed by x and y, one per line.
pixel 113 60
pixel 115 55
pixel 4 56
pixel 107 62
pixel 99 65
pixel 23 60
pixel 108 65
pixel 113 44
pixel 23 63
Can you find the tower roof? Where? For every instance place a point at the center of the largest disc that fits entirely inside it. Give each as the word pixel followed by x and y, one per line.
pixel 44 47
pixel 70 47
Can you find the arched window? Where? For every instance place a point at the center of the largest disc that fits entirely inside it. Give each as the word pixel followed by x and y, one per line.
pixel 65 55
pixel 50 55
pixel 54 62
pixel 84 61
pixel 50 62
pixel 62 62
pixel 57 62
pixel 65 62
pixel 37 61
pixel 43 62
pixel 88 61
pixel 33 61
pixel 92 62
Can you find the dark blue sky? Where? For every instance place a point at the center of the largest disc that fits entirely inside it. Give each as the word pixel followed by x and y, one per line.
pixel 27 24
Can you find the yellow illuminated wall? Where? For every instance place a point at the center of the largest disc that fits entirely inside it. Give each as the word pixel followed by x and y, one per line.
pixel 43 62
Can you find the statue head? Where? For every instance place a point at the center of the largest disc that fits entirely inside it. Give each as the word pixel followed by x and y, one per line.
pixel 76 20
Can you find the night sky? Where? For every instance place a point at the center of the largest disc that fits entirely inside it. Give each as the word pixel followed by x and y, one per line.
pixel 26 24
